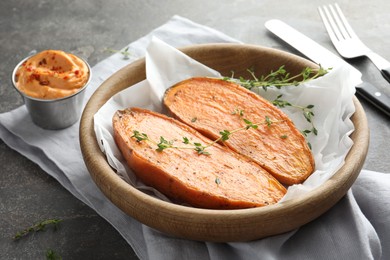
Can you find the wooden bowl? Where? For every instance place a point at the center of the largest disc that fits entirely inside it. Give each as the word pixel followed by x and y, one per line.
pixel 218 225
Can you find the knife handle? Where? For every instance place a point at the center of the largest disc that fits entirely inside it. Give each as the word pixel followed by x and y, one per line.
pixel 374 96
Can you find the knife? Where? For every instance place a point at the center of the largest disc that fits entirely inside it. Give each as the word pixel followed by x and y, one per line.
pixel 326 58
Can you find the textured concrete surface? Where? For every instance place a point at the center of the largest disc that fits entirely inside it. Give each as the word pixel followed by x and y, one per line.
pixel 28 195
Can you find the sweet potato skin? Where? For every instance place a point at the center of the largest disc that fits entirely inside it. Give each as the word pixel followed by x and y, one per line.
pixel 186 176
pixel 211 105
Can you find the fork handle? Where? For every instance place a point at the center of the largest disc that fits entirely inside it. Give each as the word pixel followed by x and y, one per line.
pixel 386 74
pixel 381 63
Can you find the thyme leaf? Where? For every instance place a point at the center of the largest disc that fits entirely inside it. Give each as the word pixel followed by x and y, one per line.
pixel 249 124
pixel 200 149
pixel 268 121
pixel 225 135
pixel 186 140
pixel 237 111
pixel 164 144
pixel 140 137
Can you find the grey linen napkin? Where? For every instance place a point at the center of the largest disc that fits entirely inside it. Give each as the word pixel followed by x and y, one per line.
pixel 358 227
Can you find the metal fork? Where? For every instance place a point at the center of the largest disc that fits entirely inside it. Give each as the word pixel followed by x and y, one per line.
pixel 346 41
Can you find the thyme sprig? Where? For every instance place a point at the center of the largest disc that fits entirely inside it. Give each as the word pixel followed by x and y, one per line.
pixel 125 52
pixel 307 112
pixel 52 255
pixel 37 227
pixel 198 147
pixel 279 78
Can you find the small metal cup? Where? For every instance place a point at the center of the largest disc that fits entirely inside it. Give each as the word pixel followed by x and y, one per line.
pixel 54 114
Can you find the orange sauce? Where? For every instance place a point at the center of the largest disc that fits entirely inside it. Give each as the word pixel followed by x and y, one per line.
pixel 52 74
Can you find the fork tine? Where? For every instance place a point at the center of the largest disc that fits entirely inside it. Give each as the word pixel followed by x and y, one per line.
pixel 333 23
pixel 327 22
pixel 340 20
pixel 346 24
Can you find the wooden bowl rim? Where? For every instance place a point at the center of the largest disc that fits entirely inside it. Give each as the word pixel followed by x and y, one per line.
pixel 206 224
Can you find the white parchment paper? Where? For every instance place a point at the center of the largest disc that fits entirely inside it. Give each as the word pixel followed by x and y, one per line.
pixel 331 94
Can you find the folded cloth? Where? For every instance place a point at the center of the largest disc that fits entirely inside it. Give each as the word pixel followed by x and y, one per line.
pixel 357 227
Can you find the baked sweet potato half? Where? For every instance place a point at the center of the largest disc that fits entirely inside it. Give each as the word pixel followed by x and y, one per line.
pixel 212 105
pixel 221 180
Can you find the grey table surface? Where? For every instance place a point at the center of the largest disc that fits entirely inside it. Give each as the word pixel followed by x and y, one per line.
pixel 28 195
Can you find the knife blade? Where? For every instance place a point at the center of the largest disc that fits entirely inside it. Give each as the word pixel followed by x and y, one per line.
pixel 326 58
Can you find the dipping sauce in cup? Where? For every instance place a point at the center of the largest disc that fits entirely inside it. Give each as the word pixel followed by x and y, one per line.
pixel 52 84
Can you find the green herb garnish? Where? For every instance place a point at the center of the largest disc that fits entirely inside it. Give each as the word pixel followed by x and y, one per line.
pixel 52 255
pixel 125 52
pixel 164 144
pixel 307 112
pixel 140 137
pixel 278 78
pixel 237 111
pixel 198 147
pixel 37 227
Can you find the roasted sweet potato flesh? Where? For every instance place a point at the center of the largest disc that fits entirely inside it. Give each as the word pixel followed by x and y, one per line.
pixel 212 105
pixel 221 180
